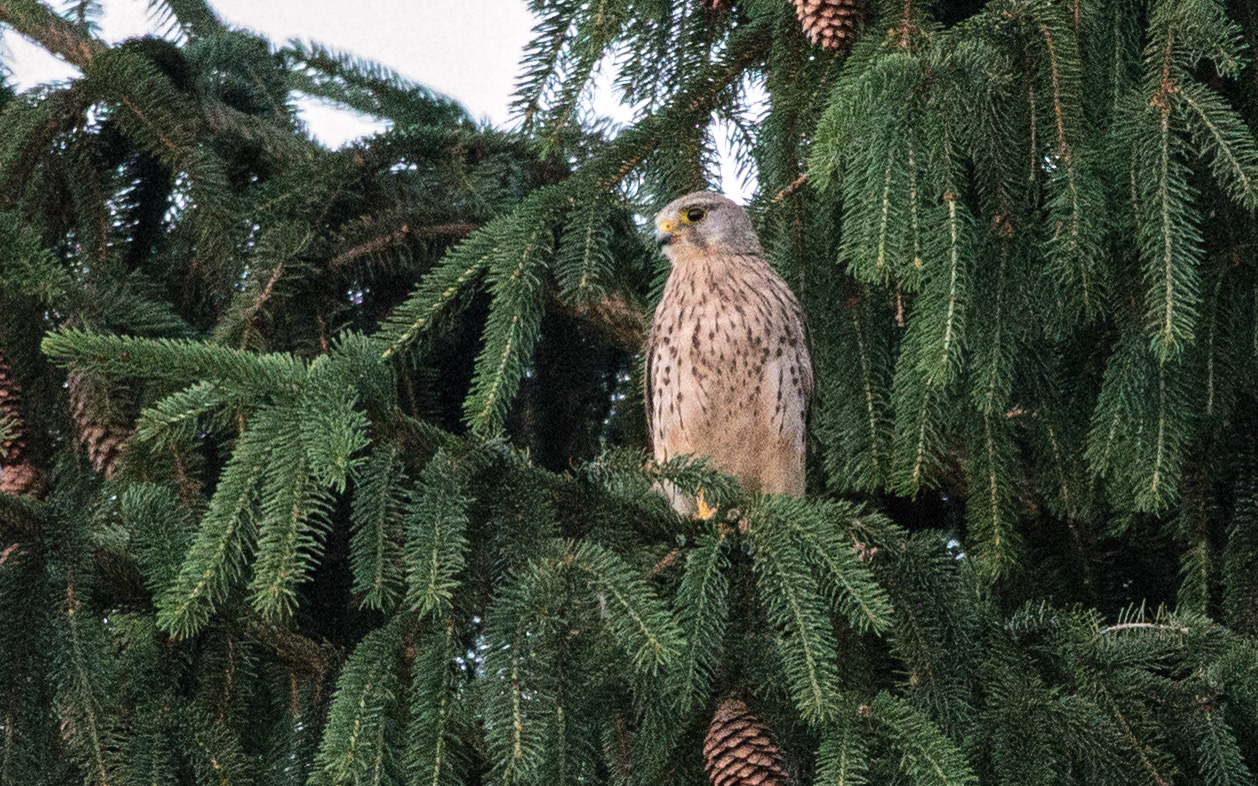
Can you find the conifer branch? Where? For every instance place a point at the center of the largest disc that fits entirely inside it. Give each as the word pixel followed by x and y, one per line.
pixel 880 259
pixel 174 416
pixel 195 15
pixel 1144 625
pixel 438 289
pixel 518 287
pixel 1166 329
pixel 543 58
pixel 368 87
pixel 867 388
pixel 606 171
pixel 456 230
pixel 1142 753
pixel 692 104
pixel 21 518
pixel 163 528
pixel 791 594
pixel 37 22
pixel 176 360
pixel 355 745
pixel 291 528
pixel 995 539
pixel 635 614
pixel 845 580
pixel 584 259
pixel 928 755
pixel 375 545
pixel 85 687
pixel 434 522
pixel 1224 136
pixel 1223 762
pixel 859 402
pixel 433 708
pixel 842 759
pixel 702 609
pixel 224 537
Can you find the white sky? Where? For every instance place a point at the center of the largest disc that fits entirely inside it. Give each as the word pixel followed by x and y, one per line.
pixel 468 49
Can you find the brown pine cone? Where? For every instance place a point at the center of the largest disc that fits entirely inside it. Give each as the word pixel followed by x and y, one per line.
pixel 831 23
pixel 738 750
pixel 96 428
pixel 17 476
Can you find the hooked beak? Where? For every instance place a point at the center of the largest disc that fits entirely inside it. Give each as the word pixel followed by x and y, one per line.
pixel 664 233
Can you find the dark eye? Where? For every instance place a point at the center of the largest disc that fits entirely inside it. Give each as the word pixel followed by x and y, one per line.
pixel 694 214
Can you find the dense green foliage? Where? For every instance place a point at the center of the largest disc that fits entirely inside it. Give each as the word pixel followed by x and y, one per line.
pixel 340 454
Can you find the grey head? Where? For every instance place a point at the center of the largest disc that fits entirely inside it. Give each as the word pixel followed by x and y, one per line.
pixel 700 221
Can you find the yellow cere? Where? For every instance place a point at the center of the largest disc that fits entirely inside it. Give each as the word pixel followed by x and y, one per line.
pixel 666 226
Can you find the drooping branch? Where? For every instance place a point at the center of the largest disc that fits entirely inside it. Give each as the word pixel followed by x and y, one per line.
pixel 37 22
pixel 692 105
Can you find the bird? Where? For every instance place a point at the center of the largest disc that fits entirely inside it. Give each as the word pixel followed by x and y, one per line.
pixel 728 371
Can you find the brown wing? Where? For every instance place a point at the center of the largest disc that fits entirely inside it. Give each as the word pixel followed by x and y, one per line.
pixel 788 364
pixel 647 374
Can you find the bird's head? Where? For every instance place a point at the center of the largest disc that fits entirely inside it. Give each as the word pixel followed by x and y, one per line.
pixel 701 221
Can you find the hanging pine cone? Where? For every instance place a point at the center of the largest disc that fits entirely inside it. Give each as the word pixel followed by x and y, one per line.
pixel 738 750
pixel 718 6
pixel 831 23
pixel 17 476
pixel 97 429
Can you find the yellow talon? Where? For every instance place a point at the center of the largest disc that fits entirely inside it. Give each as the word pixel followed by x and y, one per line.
pixel 706 512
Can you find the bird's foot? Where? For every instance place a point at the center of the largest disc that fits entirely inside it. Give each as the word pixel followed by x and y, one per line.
pixel 706 512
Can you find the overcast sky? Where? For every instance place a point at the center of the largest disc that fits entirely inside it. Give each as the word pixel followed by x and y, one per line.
pixel 467 49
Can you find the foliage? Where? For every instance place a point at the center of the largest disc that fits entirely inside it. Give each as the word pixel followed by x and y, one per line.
pixel 384 512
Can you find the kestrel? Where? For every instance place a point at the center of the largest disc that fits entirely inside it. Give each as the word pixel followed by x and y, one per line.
pixel 728 371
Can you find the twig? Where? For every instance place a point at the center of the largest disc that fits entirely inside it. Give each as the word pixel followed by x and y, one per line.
pixel 666 561
pixel 790 189
pixel 1130 625
pixel 383 243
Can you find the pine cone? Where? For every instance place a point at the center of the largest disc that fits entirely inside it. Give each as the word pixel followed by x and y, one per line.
pixel 97 431
pixel 718 6
pixel 17 476
pixel 830 23
pixel 738 750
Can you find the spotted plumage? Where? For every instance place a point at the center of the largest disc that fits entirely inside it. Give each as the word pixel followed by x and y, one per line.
pixel 728 370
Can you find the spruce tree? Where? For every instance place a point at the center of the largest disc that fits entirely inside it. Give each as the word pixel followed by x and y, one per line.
pixel 330 467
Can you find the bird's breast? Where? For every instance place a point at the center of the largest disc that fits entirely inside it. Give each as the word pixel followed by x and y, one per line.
pixel 718 336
